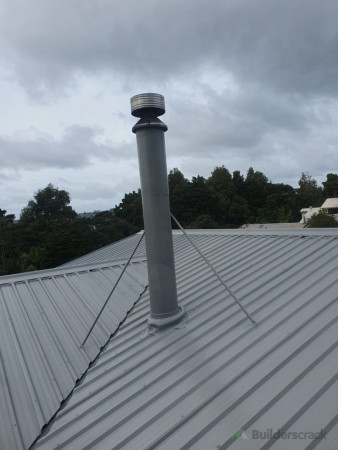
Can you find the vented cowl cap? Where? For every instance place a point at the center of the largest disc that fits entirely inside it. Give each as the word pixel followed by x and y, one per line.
pixel 143 105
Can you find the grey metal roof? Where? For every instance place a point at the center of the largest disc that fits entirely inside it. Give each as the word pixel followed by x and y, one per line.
pixel 44 317
pixel 196 385
pixel 274 225
pixel 124 247
pixel 118 250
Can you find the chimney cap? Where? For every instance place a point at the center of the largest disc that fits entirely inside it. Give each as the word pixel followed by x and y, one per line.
pixel 143 105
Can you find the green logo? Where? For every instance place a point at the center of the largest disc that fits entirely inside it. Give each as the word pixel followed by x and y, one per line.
pixel 237 434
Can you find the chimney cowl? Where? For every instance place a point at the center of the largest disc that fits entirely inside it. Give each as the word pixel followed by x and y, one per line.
pixel 143 105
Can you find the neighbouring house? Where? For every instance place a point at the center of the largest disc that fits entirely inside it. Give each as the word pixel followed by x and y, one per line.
pixel 214 381
pixel 330 206
pixel 307 213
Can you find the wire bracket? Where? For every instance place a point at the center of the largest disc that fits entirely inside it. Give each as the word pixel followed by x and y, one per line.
pixel 214 270
pixel 111 292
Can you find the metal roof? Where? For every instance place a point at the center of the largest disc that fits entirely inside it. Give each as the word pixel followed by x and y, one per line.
pixel 118 250
pixel 274 225
pixel 124 247
pixel 196 385
pixel 44 317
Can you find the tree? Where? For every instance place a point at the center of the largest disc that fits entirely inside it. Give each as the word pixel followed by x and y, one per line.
pixel 322 220
pixel 188 199
pixel 309 194
pixel 255 192
pixel 49 204
pixel 280 204
pixel 203 221
pixel 238 211
pixel 179 193
pixel 330 186
pixel 6 240
pixel 222 190
pixel 199 198
pixel 176 178
pixel 50 233
pixel 239 182
pixel 130 209
pixel 6 218
pixel 107 228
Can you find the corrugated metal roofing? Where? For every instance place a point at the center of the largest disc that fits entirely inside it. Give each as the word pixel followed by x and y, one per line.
pixel 283 226
pixel 44 317
pixel 124 247
pixel 121 249
pixel 196 385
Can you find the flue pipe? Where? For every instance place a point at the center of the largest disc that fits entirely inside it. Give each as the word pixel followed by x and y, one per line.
pixel 149 131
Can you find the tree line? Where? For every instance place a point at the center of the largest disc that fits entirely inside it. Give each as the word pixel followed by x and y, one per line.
pixel 49 232
pixel 226 200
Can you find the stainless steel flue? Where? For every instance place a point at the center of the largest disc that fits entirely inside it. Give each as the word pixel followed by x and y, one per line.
pixel 149 132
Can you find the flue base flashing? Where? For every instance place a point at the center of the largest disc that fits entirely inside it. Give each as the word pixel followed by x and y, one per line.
pixel 163 323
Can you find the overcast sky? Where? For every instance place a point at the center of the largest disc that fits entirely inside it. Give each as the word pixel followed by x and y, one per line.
pixel 246 83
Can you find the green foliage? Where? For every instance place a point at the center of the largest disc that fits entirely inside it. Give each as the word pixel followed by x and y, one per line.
pixel 188 199
pixel 279 205
pixel 221 189
pixel 309 194
pixel 130 209
pixel 49 233
pixel 330 186
pixel 203 221
pixel 239 182
pixel 255 192
pixel 6 219
pixel 179 189
pixel 6 233
pixel 322 220
pixel 176 178
pixel 238 211
pixel 50 204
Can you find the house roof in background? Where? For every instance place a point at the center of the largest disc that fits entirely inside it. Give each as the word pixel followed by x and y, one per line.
pixel 195 385
pixel 330 203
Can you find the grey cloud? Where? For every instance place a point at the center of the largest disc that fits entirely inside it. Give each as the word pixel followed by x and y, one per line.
pixel 281 136
pixel 277 113
pixel 97 195
pixel 239 121
pixel 289 46
pixel 93 191
pixel 5 177
pixel 76 149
